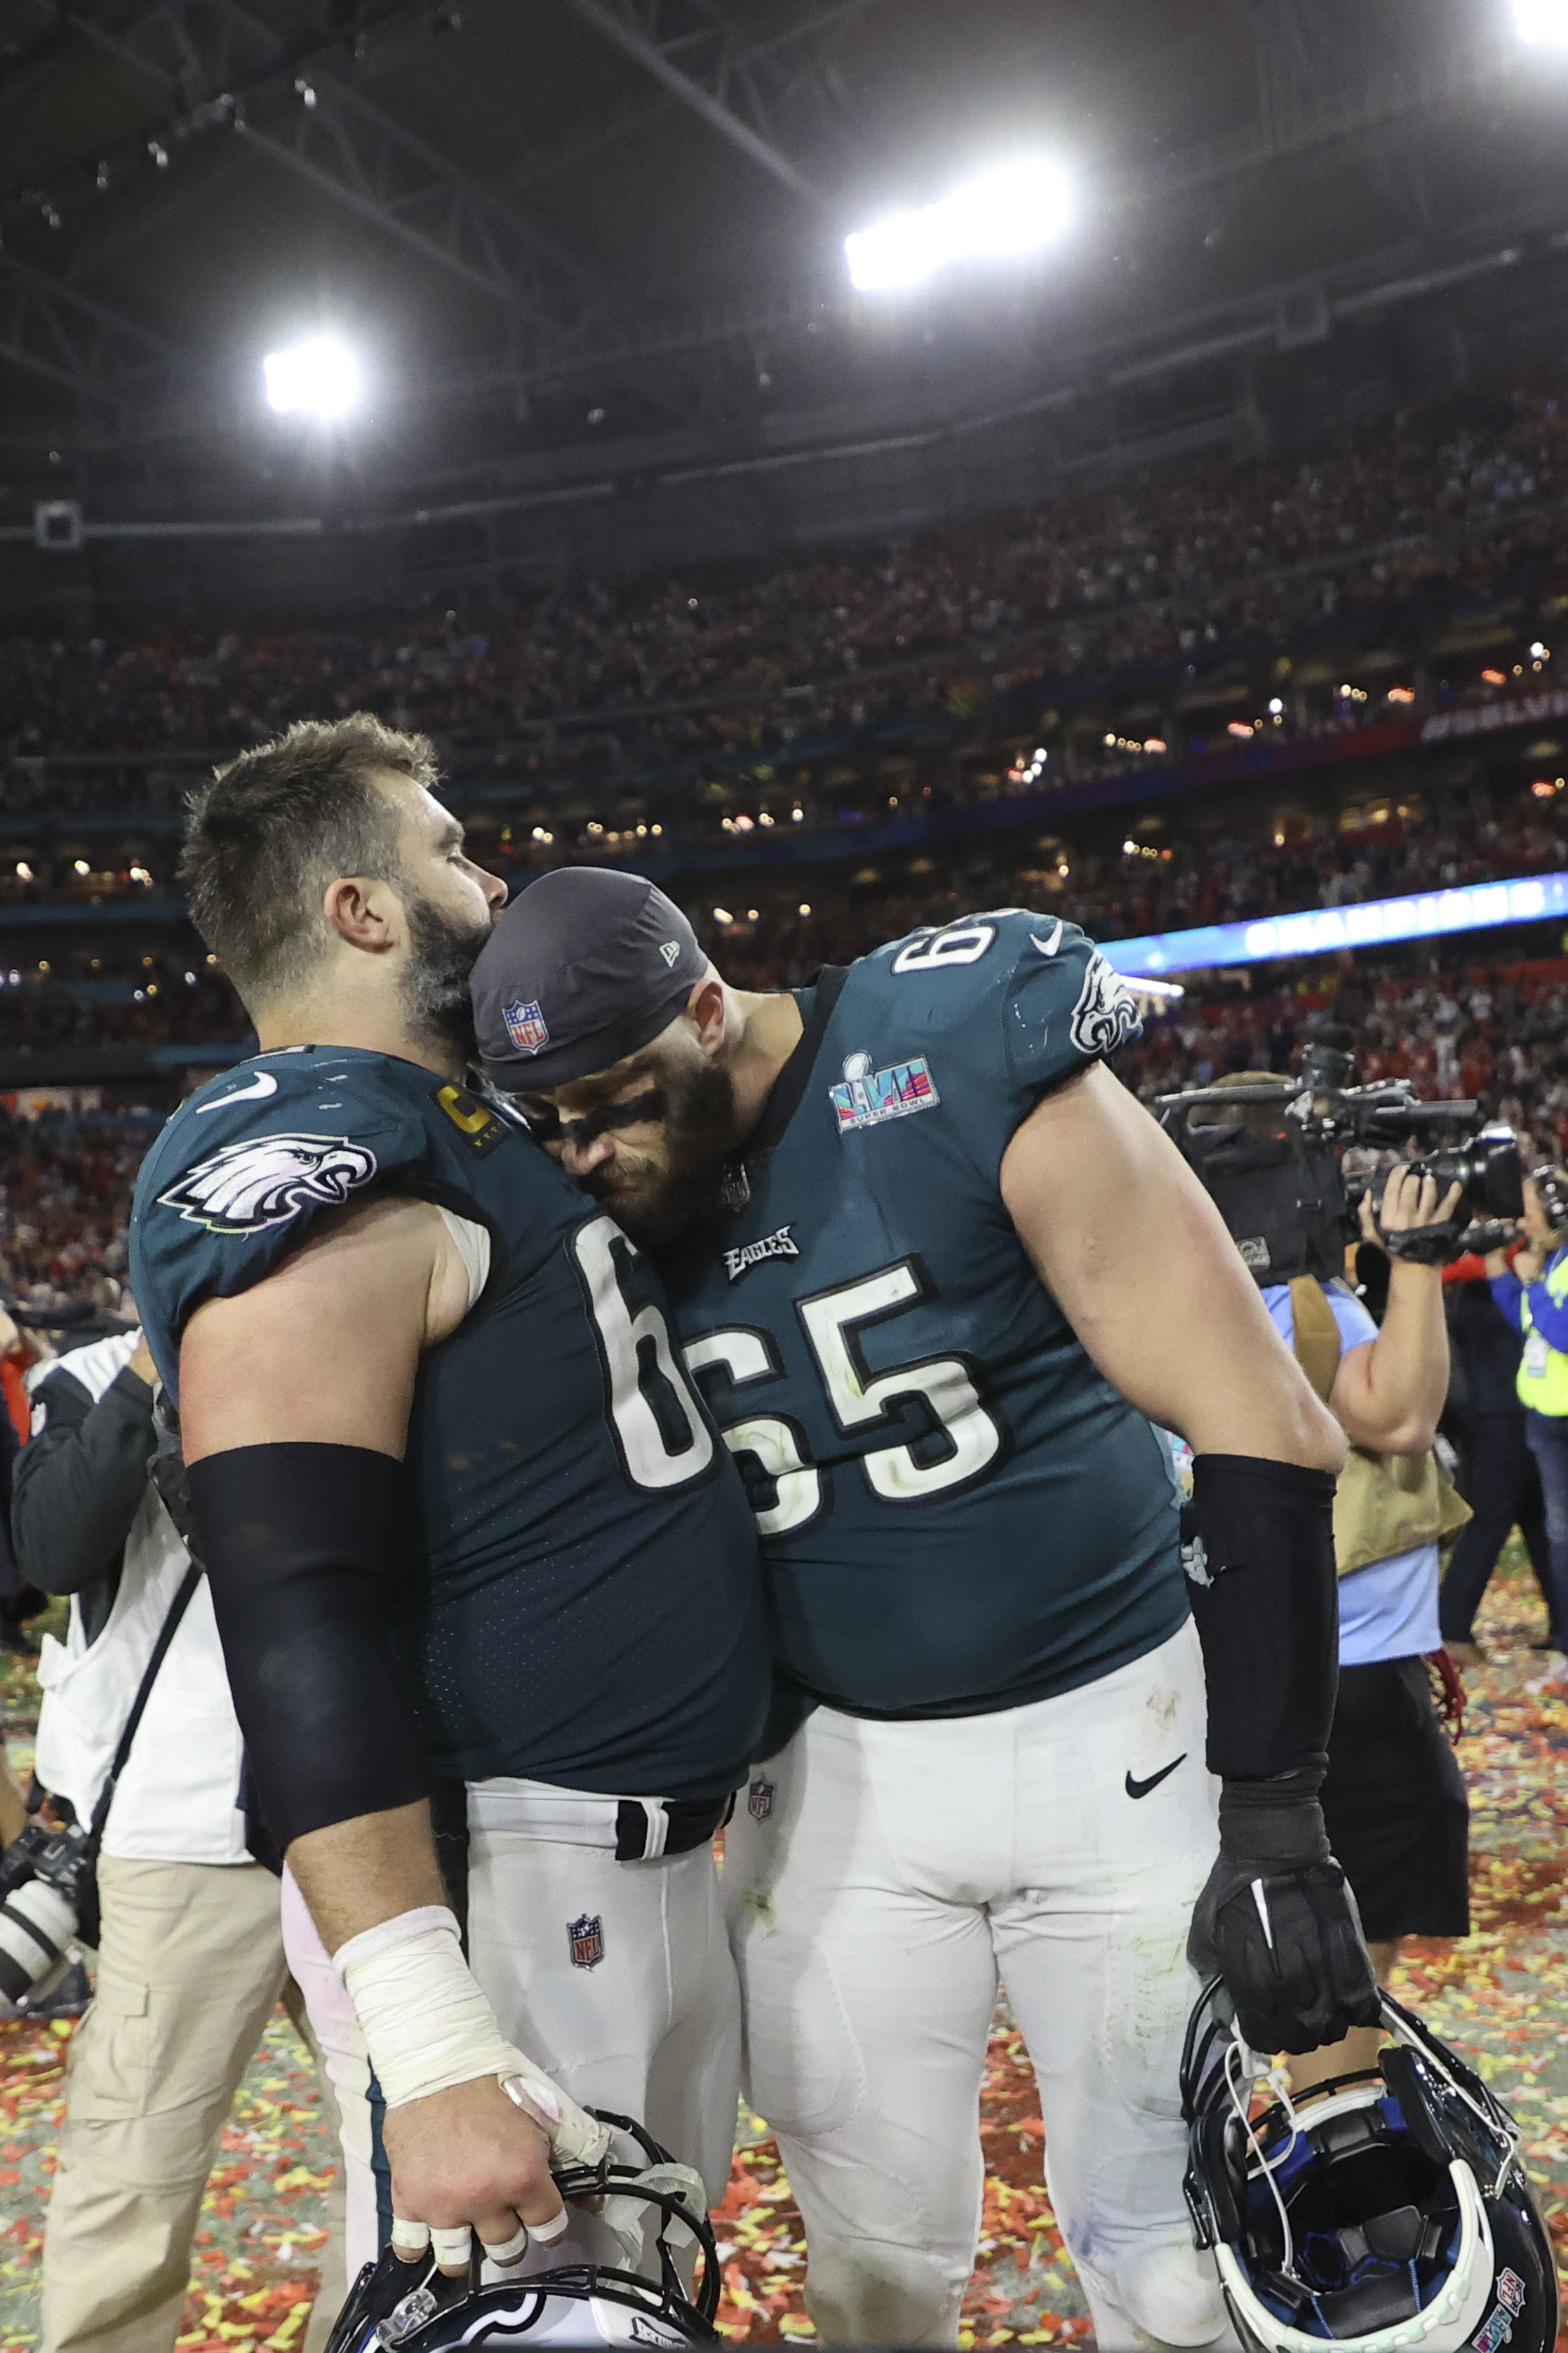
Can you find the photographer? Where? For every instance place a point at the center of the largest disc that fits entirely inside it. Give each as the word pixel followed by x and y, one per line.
pixel 1534 1294
pixel 1393 1799
pixel 1268 1150
pixel 190 1945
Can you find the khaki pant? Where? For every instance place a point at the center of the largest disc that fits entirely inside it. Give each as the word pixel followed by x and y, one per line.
pixel 190 1968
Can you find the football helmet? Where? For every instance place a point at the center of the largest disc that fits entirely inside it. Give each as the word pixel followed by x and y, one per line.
pixel 1389 2212
pixel 397 2306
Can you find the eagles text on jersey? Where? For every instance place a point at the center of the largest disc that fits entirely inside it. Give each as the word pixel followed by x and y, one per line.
pixel 958 1513
pixel 580 1529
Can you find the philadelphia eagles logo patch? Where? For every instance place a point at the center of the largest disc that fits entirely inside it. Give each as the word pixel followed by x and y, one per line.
pixel 267 1179
pixel 1106 1014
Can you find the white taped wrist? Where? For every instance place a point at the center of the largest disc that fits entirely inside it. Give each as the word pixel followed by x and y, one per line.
pixel 390 1933
pixel 426 2023
pixel 427 2026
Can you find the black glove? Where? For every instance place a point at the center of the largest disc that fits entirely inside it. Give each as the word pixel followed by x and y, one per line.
pixel 1279 1923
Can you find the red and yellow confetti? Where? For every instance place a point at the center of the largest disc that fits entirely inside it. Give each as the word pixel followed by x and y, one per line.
pixel 1501 1995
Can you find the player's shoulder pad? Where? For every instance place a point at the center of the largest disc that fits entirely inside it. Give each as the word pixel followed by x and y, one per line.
pixel 1057 998
pixel 1001 1006
pixel 276 1140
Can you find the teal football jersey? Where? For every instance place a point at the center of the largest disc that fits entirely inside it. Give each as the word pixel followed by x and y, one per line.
pixel 590 1610
pixel 958 1513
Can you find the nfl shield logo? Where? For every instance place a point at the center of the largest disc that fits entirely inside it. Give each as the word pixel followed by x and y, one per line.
pixel 760 1801
pixel 525 1027
pixel 586 1938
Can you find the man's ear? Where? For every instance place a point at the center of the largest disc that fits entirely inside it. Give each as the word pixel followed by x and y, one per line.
pixel 363 910
pixel 705 1009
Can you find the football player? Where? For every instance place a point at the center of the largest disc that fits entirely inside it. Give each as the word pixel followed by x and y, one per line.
pixel 938 1273
pixel 470 1531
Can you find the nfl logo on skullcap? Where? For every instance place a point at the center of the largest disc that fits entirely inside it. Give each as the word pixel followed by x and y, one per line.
pixel 760 1801
pixel 585 1937
pixel 525 1026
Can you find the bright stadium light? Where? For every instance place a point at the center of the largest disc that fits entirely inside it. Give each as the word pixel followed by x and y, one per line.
pixel 1542 23
pixel 1012 210
pixel 319 377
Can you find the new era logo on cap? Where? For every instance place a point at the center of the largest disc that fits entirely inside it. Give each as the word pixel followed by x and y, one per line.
pixel 671 951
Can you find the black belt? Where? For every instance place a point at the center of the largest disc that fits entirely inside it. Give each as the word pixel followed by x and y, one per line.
pixel 667 1825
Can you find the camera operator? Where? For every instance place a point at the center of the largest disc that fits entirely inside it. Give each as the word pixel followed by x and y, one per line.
pixel 189 1944
pixel 1534 1294
pixel 1268 1150
pixel 1393 1799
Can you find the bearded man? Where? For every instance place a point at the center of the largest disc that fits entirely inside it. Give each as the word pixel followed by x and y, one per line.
pixel 938 1273
pixel 471 1535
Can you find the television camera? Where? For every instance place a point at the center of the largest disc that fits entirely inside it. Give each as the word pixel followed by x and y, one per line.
pixel 1268 1150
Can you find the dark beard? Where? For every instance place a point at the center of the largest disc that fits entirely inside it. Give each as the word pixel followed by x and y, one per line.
pixel 434 983
pixel 700 1132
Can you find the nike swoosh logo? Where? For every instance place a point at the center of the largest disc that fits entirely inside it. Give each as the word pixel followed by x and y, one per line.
pixel 1049 947
pixel 261 1085
pixel 1142 1788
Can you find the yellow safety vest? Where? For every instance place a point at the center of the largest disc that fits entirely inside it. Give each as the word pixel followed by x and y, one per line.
pixel 1542 1382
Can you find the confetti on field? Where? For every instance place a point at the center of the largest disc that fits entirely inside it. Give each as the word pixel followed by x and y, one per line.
pixel 1501 1995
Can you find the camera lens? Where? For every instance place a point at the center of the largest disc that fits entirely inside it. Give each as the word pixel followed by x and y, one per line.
pixel 36 1926
pixel 1496 1184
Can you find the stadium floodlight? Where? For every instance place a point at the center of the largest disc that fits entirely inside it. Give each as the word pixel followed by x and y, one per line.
pixel 1542 23
pixel 319 377
pixel 1012 210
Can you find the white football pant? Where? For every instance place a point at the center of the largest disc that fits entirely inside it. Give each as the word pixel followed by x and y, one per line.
pixel 650 2029
pixel 879 1880
pixel 653 2030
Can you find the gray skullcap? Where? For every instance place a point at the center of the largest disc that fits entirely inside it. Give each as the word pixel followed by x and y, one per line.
pixel 584 967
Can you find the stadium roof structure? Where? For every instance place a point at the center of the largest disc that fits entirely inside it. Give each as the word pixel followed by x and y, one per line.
pixel 591 252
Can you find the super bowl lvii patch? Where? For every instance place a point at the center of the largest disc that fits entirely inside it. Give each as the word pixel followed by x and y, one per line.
pixel 865 1097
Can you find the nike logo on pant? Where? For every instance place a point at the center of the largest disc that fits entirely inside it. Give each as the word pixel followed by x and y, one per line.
pixel 1142 1788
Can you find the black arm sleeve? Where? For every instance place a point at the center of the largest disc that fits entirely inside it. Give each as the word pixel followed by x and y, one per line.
pixel 77 1485
pixel 1258 1545
pixel 302 1545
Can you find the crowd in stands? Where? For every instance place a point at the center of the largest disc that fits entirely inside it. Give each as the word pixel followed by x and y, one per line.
pixel 1172 576
pixel 66 1181
pixel 1163 879
pixel 1178 570
pixel 1497 1032
pixel 153 1000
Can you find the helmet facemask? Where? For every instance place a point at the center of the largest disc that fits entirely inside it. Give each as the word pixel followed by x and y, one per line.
pixel 656 2206
pixel 1389 2209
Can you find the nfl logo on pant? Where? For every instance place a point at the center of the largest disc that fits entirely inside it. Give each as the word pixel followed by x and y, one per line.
pixel 586 1939
pixel 760 1801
